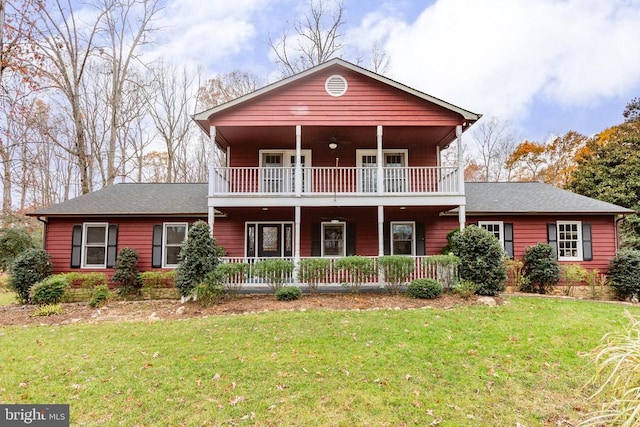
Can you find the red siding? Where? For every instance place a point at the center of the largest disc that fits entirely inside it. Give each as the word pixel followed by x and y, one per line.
pixel 135 233
pixel 367 102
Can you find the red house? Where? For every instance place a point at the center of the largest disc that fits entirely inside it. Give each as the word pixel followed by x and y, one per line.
pixel 334 161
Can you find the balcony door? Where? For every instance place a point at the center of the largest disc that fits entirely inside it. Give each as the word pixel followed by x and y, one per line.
pixel 395 174
pixel 277 170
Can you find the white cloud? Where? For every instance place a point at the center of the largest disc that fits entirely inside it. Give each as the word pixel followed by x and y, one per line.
pixel 498 57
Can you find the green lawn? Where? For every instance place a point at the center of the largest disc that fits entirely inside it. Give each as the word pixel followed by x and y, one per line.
pixel 7 297
pixel 475 366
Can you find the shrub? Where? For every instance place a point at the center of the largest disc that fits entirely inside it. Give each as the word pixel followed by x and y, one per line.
pixel 465 289
pixel 597 283
pixel 424 288
pixel 540 268
pixel 275 271
pixel 397 270
pixel 288 293
pixel 481 259
pixel 30 267
pixel 624 273
pixel 515 273
pixel 99 296
pixel 616 379
pixel 210 291
pixel 449 248
pixel 314 271
pixel 13 242
pixel 572 275
pixel 199 256
pixel 49 291
pixel 152 281
pixel 126 272
pixel 47 310
pixel 87 280
pixel 444 268
pixel 232 275
pixel 359 268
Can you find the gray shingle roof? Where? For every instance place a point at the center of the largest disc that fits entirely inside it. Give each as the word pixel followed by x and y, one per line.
pixel 532 197
pixel 136 199
pixel 191 199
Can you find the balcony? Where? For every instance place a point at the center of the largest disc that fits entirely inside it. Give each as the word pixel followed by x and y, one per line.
pixel 333 182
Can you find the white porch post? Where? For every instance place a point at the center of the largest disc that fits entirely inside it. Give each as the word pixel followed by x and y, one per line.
pixel 380 177
pixel 462 215
pixel 296 244
pixel 380 241
pixel 211 210
pixel 298 171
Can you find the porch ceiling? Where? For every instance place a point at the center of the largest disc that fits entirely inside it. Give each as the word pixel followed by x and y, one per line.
pixel 319 136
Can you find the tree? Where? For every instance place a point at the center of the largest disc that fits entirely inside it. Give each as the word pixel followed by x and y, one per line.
pixel 13 242
pixel 226 87
pixel 199 256
pixel 608 169
pixel 561 156
pixel 495 141
pixel 527 161
pixel 317 38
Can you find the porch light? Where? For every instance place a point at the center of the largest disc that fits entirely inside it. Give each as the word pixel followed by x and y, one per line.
pixel 333 145
pixel 265 209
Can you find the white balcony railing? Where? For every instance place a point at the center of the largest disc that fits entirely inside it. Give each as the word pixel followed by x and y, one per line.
pixel 422 180
pixel 445 274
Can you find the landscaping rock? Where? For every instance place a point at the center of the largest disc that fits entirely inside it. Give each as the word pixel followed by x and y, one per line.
pixel 490 301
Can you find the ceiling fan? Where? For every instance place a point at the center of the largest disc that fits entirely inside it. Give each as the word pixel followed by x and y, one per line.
pixel 334 142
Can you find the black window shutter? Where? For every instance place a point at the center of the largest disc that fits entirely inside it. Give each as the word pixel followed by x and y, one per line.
pixel 316 241
pixel 508 239
pixel 587 250
pixel 552 236
pixel 387 238
pixel 420 243
pixel 351 238
pixel 76 246
pixel 156 249
pixel 112 245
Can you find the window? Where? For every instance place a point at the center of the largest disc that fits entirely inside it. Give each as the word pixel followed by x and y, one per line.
pixel 269 239
pixel 174 234
pixel 94 245
pixel 402 238
pixel 333 239
pixel 494 227
pixel 569 241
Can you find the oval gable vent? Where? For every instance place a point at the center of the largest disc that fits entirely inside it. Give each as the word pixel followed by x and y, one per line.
pixel 336 85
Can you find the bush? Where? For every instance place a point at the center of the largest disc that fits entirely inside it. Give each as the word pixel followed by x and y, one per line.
pixel 126 272
pixel 515 273
pixel 465 289
pixel 624 273
pixel 49 291
pixel 597 283
pixel 87 280
pixel 210 291
pixel 275 271
pixel 449 248
pixel 314 271
pixel 29 268
pixel 288 293
pixel 232 275
pixel 99 296
pixel 616 379
pixel 572 275
pixel 199 256
pixel 359 268
pixel 152 281
pixel 481 259
pixel 13 242
pixel 443 268
pixel 47 310
pixel 397 270
pixel 541 269
pixel 424 288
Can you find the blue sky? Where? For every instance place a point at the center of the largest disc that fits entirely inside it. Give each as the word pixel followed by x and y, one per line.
pixel 546 66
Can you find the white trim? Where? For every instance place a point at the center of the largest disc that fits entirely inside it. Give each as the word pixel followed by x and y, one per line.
pixel 501 229
pixel 165 264
pixel 336 85
pixel 344 237
pixel 579 256
pixel 83 254
pixel 413 236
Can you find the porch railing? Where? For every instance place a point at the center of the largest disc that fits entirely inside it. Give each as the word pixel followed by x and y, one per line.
pixel 445 274
pixel 334 180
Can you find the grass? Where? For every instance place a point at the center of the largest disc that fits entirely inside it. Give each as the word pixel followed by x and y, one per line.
pixel 478 366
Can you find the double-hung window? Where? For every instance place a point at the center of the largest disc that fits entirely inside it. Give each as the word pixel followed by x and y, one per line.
pixel 494 227
pixel 174 236
pixel 403 240
pixel 94 245
pixel 569 240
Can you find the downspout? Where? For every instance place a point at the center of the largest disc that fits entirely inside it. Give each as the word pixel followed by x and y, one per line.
pixel 44 221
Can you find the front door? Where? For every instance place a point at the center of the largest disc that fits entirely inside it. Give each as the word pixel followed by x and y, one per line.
pixel 269 240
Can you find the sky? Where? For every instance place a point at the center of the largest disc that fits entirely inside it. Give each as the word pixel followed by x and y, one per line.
pixel 544 66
